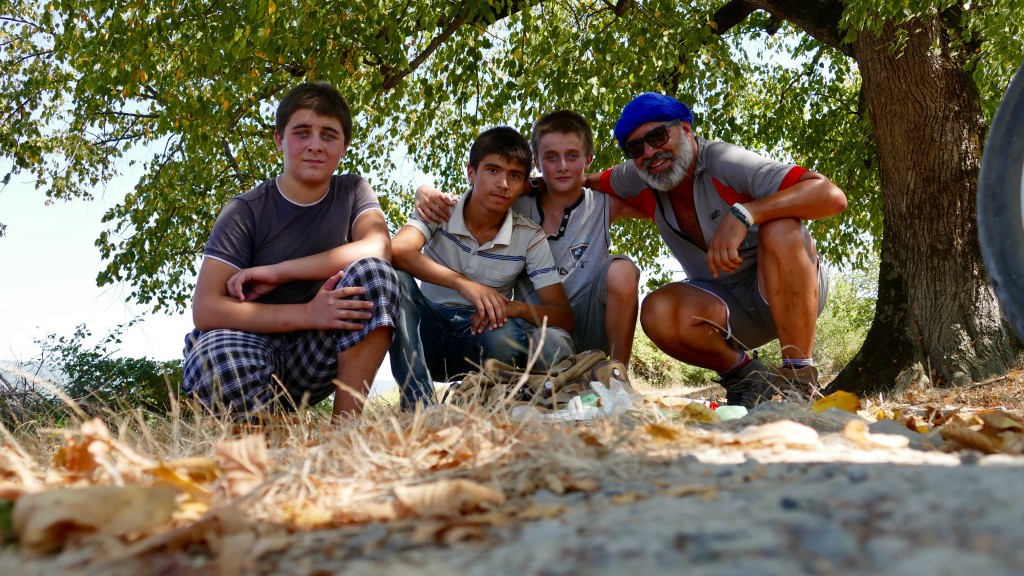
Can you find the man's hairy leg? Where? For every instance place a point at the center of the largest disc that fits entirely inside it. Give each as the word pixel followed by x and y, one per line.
pixel 684 322
pixel 357 369
pixel 621 315
pixel 788 274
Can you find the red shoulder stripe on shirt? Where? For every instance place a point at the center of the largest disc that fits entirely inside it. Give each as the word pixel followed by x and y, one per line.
pixel 729 195
pixel 732 197
pixel 792 177
pixel 644 201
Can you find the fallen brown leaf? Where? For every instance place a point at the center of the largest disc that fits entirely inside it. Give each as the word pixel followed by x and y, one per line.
pixel 780 434
pixel 1001 421
pixel 627 498
pixel 662 433
pixel 45 521
pixel 969 439
pixel 541 511
pixel 857 432
pixel 16 473
pixel 705 492
pixel 244 462
pixel 447 498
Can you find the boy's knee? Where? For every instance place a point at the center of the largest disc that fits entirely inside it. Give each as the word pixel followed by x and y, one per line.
pixel 623 277
pixel 557 345
pixel 508 343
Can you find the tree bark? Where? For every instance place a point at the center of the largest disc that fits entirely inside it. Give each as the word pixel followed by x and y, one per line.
pixel 937 319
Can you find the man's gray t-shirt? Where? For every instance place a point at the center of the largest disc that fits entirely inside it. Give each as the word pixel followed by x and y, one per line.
pixel 263 227
pixel 580 244
pixel 725 174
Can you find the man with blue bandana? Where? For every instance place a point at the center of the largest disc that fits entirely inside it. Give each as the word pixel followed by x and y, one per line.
pixel 733 219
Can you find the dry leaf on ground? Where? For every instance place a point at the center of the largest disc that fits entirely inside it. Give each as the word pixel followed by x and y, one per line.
pixel 969 438
pixel 43 522
pixel 857 432
pixel 662 433
pixel 841 400
pixel 447 498
pixel 244 462
pixel 780 434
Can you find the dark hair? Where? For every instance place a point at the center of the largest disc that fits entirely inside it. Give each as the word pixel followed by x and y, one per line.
pixel 563 122
pixel 320 97
pixel 505 142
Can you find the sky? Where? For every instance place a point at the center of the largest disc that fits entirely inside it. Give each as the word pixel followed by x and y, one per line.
pixel 50 266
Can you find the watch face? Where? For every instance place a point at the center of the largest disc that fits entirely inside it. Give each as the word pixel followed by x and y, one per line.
pixel 1001 203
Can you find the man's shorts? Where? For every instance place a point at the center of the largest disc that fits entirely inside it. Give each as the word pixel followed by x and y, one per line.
pixel 590 308
pixel 750 322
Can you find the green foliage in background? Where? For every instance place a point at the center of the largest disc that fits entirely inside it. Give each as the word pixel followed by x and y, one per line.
pixel 95 379
pixel 190 88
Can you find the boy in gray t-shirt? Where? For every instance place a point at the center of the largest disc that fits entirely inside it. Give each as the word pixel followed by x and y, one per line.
pixel 295 290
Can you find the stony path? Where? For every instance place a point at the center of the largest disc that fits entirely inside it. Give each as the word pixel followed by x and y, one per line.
pixel 899 512
pixel 787 499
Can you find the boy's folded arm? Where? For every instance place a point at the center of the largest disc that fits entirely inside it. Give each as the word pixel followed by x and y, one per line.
pixel 330 309
pixel 553 303
pixel 370 238
pixel 433 205
pixel 407 254
pixel 213 307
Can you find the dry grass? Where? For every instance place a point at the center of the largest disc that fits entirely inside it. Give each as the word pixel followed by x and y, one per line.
pixel 445 475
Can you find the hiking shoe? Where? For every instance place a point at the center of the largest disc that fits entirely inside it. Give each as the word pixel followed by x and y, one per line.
pixel 798 385
pixel 750 385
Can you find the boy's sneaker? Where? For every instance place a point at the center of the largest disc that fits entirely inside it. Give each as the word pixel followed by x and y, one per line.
pixel 750 385
pixel 799 385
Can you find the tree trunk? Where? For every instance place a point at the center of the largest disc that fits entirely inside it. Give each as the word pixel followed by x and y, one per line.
pixel 937 319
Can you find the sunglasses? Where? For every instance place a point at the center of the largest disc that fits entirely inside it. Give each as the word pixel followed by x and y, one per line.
pixel 657 137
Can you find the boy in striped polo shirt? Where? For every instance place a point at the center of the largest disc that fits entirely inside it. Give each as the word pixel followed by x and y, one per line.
pixel 462 314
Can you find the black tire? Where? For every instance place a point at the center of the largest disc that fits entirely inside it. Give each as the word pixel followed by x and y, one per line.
pixel 1000 200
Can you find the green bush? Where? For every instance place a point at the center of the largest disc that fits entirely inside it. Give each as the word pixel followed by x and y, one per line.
pixel 95 379
pixel 660 370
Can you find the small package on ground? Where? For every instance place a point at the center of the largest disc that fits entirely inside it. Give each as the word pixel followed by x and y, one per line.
pixel 549 390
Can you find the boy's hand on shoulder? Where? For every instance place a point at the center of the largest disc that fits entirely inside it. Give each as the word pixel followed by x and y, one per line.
pixel 432 205
pixel 332 309
pixel 251 283
pixel 491 306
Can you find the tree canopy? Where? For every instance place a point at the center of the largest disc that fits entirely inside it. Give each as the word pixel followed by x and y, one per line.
pixel 193 86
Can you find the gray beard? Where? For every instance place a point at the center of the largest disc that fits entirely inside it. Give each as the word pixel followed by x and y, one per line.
pixel 680 167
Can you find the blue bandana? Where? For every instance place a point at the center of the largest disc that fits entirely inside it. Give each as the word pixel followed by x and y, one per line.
pixel 649 107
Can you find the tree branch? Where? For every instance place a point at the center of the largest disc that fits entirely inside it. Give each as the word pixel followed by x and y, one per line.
pixel 731 14
pixel 20 21
pixel 232 160
pixel 391 78
pixel 118 139
pixel 129 115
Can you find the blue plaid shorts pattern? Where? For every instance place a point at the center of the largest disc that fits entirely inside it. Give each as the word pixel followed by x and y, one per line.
pixel 243 372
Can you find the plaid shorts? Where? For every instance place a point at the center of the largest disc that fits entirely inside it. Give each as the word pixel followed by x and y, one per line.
pixel 245 372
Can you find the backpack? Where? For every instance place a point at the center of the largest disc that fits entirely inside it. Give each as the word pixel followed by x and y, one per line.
pixel 553 389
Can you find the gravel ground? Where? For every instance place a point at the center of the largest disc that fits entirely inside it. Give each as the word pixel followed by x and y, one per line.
pixel 825 508
pixel 801 500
